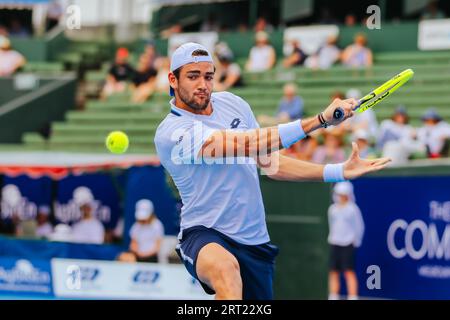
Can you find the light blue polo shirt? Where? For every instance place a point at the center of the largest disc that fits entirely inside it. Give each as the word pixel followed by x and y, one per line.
pixel 225 196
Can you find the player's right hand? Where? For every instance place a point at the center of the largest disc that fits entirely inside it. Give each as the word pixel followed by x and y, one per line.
pixel 346 106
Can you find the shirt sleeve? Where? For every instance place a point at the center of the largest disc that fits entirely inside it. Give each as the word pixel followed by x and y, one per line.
pixel 160 229
pixel 133 232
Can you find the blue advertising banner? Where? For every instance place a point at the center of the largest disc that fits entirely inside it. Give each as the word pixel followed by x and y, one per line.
pixel 22 277
pixel 114 196
pixel 23 195
pixel 150 183
pixel 405 252
pixel 106 204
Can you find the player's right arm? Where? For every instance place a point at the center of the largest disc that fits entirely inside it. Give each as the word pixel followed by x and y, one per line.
pixel 263 141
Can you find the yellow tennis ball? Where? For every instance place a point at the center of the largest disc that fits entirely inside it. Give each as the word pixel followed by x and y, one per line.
pixel 117 142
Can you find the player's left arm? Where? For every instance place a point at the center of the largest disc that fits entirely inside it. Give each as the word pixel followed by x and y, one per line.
pixel 280 167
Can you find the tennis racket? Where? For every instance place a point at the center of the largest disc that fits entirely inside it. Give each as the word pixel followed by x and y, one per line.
pixel 379 94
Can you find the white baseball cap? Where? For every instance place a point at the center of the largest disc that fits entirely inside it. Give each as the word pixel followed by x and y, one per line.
pixel 344 188
pixel 353 93
pixel 82 196
pixel 144 209
pixel 183 55
pixel 44 210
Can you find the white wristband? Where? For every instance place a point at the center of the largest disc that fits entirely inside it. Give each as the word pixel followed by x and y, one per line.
pixel 333 173
pixel 290 133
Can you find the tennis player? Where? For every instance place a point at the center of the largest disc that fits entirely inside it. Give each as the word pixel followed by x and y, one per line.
pixel 211 145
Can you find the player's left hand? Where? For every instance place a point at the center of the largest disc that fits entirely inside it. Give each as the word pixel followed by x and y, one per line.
pixel 355 167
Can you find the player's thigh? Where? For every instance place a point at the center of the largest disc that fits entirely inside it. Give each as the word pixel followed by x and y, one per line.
pixel 215 261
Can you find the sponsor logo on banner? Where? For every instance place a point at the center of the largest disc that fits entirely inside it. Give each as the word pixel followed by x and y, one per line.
pixel 407 236
pixel 434 34
pixel 25 277
pixel 70 212
pixel 118 280
pixel 421 239
pixel 13 204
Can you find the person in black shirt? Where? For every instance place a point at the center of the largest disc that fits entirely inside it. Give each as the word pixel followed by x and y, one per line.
pixel 118 75
pixel 297 57
pixel 144 81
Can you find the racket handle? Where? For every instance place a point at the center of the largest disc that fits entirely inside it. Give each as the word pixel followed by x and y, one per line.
pixel 338 113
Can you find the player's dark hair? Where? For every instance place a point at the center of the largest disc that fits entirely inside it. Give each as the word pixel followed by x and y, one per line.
pixel 196 53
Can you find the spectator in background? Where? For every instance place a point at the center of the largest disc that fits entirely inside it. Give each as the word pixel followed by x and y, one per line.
pixel 432 11
pixel 16 29
pixel 302 150
pixel 10 60
pixel 162 64
pixel 290 107
pixel 143 81
pixel 362 140
pixel 350 20
pixel 396 138
pixel 128 257
pixel 326 56
pixel 210 24
pixel 346 227
pixel 366 121
pixel 118 75
pixel 62 232
pixel 146 233
pixel 332 150
pixel 150 54
pixel 3 31
pixel 326 17
pixel 297 57
pixel 89 229
pixel 262 56
pixel 434 134
pixel 358 55
pixel 44 228
pixel 261 24
pixel 228 73
pixel 54 14
pixel 242 27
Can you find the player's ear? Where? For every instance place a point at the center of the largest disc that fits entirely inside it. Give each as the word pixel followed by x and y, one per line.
pixel 173 81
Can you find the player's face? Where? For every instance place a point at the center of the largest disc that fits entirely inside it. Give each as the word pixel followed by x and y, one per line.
pixel 196 84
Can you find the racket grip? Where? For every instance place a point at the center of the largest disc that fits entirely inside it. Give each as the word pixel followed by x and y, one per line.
pixel 338 113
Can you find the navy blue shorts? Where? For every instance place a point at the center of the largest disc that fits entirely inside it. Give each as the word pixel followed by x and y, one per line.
pixel 342 258
pixel 256 263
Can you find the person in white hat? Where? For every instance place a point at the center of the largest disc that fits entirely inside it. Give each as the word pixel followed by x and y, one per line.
pixel 211 145
pixel 146 233
pixel 362 121
pixel 363 140
pixel 10 60
pixel 44 228
pixel 61 233
pixel 88 229
pixel 262 56
pixel 346 233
